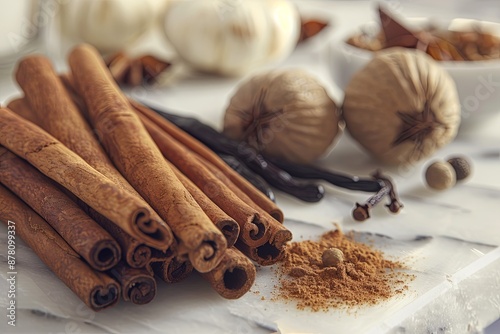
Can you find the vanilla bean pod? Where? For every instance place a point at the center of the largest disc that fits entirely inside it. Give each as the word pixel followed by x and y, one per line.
pixel 220 144
pixel 337 179
pixel 257 181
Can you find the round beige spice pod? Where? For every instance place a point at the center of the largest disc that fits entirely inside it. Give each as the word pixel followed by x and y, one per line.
pixel 402 106
pixel 440 175
pixel 285 114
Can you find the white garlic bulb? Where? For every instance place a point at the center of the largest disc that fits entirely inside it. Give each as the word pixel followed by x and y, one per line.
pixel 109 25
pixel 232 36
pixel 285 114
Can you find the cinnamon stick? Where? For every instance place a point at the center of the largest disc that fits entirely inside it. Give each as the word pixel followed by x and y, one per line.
pixel 56 113
pixel 203 151
pixel 270 252
pixel 68 169
pixel 273 250
pixel 137 285
pixel 95 289
pixel 234 275
pixel 81 232
pixel 137 157
pixel 227 225
pixel 134 253
pixel 172 269
pixel 253 230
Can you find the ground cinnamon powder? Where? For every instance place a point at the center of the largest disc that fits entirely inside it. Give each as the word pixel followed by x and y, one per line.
pixel 365 277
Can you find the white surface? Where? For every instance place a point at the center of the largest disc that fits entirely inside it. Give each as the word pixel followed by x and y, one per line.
pixel 457 288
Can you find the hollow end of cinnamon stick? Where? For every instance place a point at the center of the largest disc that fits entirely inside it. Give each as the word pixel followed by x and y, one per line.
pixel 141 290
pixel 172 270
pixel 254 231
pixel 104 296
pixel 138 256
pixel 209 253
pixel 270 252
pixel 137 285
pixel 234 276
pixel 156 234
pixel 230 229
pixel 105 255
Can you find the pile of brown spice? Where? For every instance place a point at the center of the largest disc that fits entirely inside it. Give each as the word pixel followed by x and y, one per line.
pixel 348 274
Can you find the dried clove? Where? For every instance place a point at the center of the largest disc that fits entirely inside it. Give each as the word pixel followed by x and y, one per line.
pixel 362 211
pixel 395 205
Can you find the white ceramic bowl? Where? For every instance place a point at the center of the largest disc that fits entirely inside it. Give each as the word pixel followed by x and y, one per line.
pixel 478 82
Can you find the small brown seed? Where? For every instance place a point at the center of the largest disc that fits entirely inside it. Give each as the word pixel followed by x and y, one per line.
pixel 462 167
pixel 440 175
pixel 332 257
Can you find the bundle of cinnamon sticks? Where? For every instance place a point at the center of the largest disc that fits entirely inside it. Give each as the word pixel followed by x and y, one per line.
pixel 111 196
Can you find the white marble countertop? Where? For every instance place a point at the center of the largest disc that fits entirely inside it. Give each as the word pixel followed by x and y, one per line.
pixel 457 264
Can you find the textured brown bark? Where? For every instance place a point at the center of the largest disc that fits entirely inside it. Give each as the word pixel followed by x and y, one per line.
pixel 234 275
pixel 81 232
pixel 57 113
pixel 227 225
pixel 270 252
pixel 169 267
pixel 199 148
pixel 274 248
pixel 22 108
pixel 137 285
pixel 95 289
pixel 135 253
pixel 138 158
pixel 68 169
pixel 253 230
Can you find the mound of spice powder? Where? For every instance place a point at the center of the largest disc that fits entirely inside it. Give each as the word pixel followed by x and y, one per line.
pixel 364 277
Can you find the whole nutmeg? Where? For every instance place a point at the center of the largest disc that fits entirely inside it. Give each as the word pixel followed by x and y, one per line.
pixel 462 167
pixel 285 114
pixel 402 106
pixel 332 257
pixel 440 175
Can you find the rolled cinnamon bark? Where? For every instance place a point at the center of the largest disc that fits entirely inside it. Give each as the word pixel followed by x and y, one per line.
pixel 169 267
pixel 97 290
pixel 56 113
pixel 137 157
pixel 81 232
pixel 253 230
pixel 234 275
pixel 227 225
pixel 270 252
pixel 273 250
pixel 135 253
pixel 21 107
pixel 137 285
pixel 270 247
pixel 172 269
pixel 200 149
pixel 68 169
